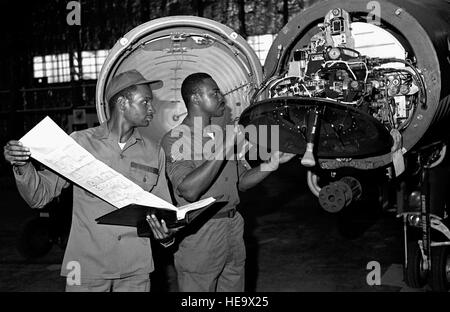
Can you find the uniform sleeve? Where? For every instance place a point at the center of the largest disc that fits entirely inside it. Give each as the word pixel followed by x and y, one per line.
pixel 177 172
pixel 38 188
pixel 178 164
pixel 161 188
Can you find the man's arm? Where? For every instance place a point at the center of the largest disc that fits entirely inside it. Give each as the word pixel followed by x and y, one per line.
pixel 199 180
pixel 37 188
pixel 189 181
pixel 252 177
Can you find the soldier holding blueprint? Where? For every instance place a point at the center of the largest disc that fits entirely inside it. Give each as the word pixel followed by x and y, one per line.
pixel 109 258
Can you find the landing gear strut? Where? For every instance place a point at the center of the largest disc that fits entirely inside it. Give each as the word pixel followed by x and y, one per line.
pixel 427 258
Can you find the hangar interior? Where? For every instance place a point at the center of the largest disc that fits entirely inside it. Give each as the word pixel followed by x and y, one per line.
pixel 363 71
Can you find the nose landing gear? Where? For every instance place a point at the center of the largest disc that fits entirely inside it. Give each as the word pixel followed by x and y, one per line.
pixel 427 258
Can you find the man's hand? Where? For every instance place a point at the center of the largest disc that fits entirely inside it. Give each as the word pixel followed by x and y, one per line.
pixel 16 154
pixel 160 231
pixel 276 159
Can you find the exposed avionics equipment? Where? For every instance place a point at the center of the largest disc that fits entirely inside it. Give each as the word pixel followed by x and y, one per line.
pixel 364 99
pixel 355 84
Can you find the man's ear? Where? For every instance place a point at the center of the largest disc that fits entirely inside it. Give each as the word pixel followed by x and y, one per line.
pixel 195 98
pixel 122 103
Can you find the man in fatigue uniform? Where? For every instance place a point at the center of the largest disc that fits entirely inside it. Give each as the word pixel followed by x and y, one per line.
pixel 110 258
pixel 213 258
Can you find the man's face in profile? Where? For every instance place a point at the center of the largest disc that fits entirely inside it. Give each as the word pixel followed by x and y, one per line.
pixel 139 110
pixel 212 100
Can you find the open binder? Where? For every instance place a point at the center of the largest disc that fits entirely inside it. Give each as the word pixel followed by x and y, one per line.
pixel 135 215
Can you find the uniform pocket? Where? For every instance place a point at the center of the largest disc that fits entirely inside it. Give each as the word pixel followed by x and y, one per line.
pixel 197 259
pixel 205 251
pixel 145 176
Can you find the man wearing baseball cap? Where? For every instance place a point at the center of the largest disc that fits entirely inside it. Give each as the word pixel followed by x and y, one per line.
pixel 105 257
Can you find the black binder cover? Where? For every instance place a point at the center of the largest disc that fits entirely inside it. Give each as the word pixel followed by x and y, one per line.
pixel 133 215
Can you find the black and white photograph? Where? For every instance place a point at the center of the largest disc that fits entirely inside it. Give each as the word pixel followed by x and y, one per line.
pixel 246 148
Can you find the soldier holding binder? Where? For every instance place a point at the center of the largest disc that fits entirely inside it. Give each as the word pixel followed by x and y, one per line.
pixel 110 258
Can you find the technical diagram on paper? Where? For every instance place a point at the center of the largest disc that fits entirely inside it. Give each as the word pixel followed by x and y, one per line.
pixel 51 146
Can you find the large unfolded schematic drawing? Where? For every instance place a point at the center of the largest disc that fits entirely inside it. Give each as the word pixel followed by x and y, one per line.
pixel 51 146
